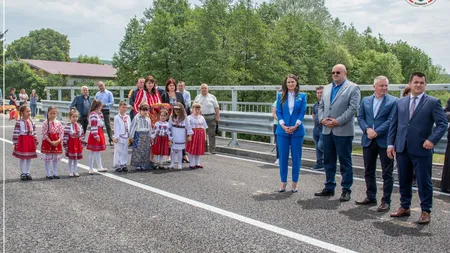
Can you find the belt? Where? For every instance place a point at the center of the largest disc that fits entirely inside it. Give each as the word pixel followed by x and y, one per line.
pixel 179 142
pixel 209 114
pixel 178 126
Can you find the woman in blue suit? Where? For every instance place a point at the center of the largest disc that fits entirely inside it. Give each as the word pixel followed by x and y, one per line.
pixel 291 109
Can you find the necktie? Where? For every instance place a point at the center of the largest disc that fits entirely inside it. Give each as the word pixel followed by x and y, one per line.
pixel 412 107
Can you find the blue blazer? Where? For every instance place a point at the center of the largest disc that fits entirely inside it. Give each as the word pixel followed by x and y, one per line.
pixel 380 122
pixel 413 132
pixel 297 114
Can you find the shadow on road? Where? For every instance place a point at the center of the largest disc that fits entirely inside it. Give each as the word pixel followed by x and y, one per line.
pixel 323 203
pixel 361 213
pixel 399 227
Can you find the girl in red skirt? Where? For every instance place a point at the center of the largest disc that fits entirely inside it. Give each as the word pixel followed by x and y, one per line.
pixel 25 141
pixel 161 138
pixel 96 140
pixel 196 147
pixel 72 142
pixel 52 135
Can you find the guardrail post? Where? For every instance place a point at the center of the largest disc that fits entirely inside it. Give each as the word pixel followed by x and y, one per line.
pixel 48 94
pixel 234 142
pixel 59 95
pixel 72 94
pixel 121 94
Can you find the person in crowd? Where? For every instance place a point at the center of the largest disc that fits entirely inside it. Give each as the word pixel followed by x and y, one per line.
pixel 275 125
pixel 152 98
pixel 374 117
pixel 211 113
pixel 122 127
pixel 337 109
pixel 137 97
pixel 73 142
pixel 186 96
pixel 96 140
pixel 445 181
pixel 161 138
pixel 12 97
pixel 181 133
pixel 196 147
pixel 291 109
pixel 23 97
pixel 406 91
pixel 141 128
pixel 33 103
pixel 83 104
pixel 411 140
pixel 317 131
pixel 25 142
pixel 52 138
pixel 106 97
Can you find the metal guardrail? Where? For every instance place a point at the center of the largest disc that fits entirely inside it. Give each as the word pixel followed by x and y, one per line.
pixel 248 123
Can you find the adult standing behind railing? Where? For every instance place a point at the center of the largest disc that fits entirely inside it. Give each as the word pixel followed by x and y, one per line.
pixel 136 98
pixel 291 109
pixel 211 113
pixel 317 131
pixel 186 96
pixel 23 97
pixel 106 97
pixel 445 182
pixel 83 104
pixel 33 103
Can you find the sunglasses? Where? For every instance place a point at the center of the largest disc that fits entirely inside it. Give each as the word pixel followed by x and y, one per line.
pixel 336 72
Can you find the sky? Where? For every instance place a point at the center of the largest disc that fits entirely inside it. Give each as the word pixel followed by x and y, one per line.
pixel 96 27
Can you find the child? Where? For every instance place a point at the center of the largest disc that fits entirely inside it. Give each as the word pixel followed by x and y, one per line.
pixel 141 128
pixel 180 128
pixel 96 139
pixel 196 147
pixel 122 126
pixel 72 142
pixel 25 141
pixel 52 135
pixel 161 138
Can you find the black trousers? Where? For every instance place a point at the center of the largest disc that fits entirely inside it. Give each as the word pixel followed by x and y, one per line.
pixel 84 121
pixel 107 123
pixel 370 155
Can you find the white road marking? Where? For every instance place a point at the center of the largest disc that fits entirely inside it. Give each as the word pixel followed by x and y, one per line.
pixel 235 216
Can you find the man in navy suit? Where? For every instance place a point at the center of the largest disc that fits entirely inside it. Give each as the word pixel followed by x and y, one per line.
pixel 411 138
pixel 374 118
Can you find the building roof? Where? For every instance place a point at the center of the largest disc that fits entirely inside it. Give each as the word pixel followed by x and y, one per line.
pixel 73 68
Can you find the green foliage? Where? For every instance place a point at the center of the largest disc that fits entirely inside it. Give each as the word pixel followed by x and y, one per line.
pixel 372 63
pixel 89 59
pixel 19 75
pixel 43 44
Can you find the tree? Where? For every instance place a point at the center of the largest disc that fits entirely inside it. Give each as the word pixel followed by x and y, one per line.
pixel 372 63
pixel 19 75
pixel 89 59
pixel 43 44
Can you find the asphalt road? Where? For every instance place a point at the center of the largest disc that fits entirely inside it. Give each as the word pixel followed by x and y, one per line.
pixel 229 206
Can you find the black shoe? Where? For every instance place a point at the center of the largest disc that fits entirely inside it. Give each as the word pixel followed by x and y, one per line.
pixel 49 177
pixel 124 168
pixel 345 196
pixel 28 176
pixel 324 192
pixel 119 169
pixel 111 143
pixel 23 176
pixel 56 177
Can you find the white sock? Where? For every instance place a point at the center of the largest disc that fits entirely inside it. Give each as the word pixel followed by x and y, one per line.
pixel 180 158
pixel 55 167
pixel 91 160
pixel 28 166
pixel 172 158
pixel 191 160
pixel 23 169
pixel 197 160
pixel 99 160
pixel 48 170
pixel 74 166
pixel 156 159
pixel 70 166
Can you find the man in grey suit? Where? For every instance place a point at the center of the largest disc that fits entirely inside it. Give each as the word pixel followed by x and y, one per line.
pixel 337 111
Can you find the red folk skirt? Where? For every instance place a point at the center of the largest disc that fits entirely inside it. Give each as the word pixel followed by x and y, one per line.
pixel 48 148
pixel 197 145
pixel 95 145
pixel 75 149
pixel 161 145
pixel 25 147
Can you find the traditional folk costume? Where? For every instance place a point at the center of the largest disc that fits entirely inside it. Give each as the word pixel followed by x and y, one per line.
pixel 53 131
pixel 97 122
pixel 161 134
pixel 179 132
pixel 73 145
pixel 25 141
pixel 140 132
pixel 196 147
pixel 143 96
pixel 122 126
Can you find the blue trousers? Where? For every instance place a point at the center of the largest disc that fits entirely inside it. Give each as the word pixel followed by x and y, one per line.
pixel 295 144
pixel 422 167
pixel 318 142
pixel 334 147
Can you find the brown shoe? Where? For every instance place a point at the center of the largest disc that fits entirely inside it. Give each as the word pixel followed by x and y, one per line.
pixel 384 207
pixel 424 218
pixel 401 212
pixel 366 201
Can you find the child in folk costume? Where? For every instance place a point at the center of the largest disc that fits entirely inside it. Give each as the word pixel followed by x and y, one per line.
pixel 180 129
pixel 122 126
pixel 141 128
pixel 72 142
pixel 25 141
pixel 52 136
pixel 196 147
pixel 161 138
pixel 96 139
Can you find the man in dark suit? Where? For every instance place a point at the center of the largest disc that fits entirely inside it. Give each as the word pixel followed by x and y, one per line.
pixel 412 138
pixel 374 118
